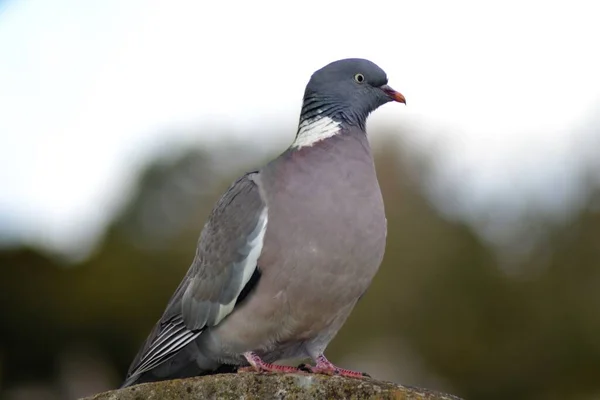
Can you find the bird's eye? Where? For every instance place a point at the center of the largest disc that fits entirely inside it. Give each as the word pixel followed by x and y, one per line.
pixel 360 78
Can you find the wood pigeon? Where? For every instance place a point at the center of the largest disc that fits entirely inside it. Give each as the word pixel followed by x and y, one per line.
pixel 288 249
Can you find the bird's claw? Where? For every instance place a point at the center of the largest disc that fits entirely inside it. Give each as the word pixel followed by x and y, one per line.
pixel 258 365
pixel 332 371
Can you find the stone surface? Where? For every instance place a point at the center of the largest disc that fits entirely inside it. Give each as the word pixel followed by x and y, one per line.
pixel 250 386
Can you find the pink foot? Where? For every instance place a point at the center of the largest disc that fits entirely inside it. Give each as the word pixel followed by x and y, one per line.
pixel 258 365
pixel 324 366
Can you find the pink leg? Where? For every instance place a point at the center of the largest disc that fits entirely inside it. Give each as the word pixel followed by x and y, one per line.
pixel 324 366
pixel 259 365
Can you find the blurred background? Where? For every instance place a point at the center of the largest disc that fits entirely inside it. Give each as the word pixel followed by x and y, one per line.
pixel 122 122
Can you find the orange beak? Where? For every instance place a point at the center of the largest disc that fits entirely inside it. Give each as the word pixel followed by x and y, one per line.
pixel 396 96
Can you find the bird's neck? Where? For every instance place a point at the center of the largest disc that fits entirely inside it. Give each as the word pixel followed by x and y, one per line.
pixel 322 117
pixel 314 129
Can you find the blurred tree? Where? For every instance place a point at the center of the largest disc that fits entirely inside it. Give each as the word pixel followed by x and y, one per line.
pixel 440 292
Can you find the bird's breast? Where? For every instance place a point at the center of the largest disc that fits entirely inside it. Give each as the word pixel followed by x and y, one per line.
pixel 327 228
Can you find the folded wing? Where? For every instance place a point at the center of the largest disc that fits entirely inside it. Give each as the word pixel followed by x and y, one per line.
pixel 226 260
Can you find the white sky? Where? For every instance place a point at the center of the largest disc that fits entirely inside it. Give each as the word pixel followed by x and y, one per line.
pixel 486 83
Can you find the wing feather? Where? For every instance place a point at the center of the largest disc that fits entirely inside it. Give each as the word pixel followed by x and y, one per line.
pixel 225 263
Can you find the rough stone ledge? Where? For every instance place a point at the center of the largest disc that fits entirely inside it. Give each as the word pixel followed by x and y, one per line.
pixel 250 386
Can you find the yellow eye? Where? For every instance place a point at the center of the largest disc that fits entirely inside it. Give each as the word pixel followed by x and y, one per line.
pixel 360 78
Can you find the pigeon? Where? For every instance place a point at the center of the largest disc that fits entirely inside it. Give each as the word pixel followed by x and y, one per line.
pixel 288 250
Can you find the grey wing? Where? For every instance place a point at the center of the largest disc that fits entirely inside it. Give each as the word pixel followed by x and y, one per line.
pixel 226 258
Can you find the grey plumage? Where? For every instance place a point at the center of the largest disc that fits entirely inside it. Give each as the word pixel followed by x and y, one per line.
pixel 288 250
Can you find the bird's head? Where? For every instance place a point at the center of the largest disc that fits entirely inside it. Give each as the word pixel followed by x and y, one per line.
pixel 348 91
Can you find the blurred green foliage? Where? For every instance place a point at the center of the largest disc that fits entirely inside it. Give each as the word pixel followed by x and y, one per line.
pixel 440 292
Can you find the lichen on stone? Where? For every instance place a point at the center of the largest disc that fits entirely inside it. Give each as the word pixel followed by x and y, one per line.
pixel 255 386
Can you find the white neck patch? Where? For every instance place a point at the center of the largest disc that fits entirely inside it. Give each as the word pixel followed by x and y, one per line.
pixel 314 130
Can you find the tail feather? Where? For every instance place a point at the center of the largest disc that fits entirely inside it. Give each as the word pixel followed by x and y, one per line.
pixel 164 342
